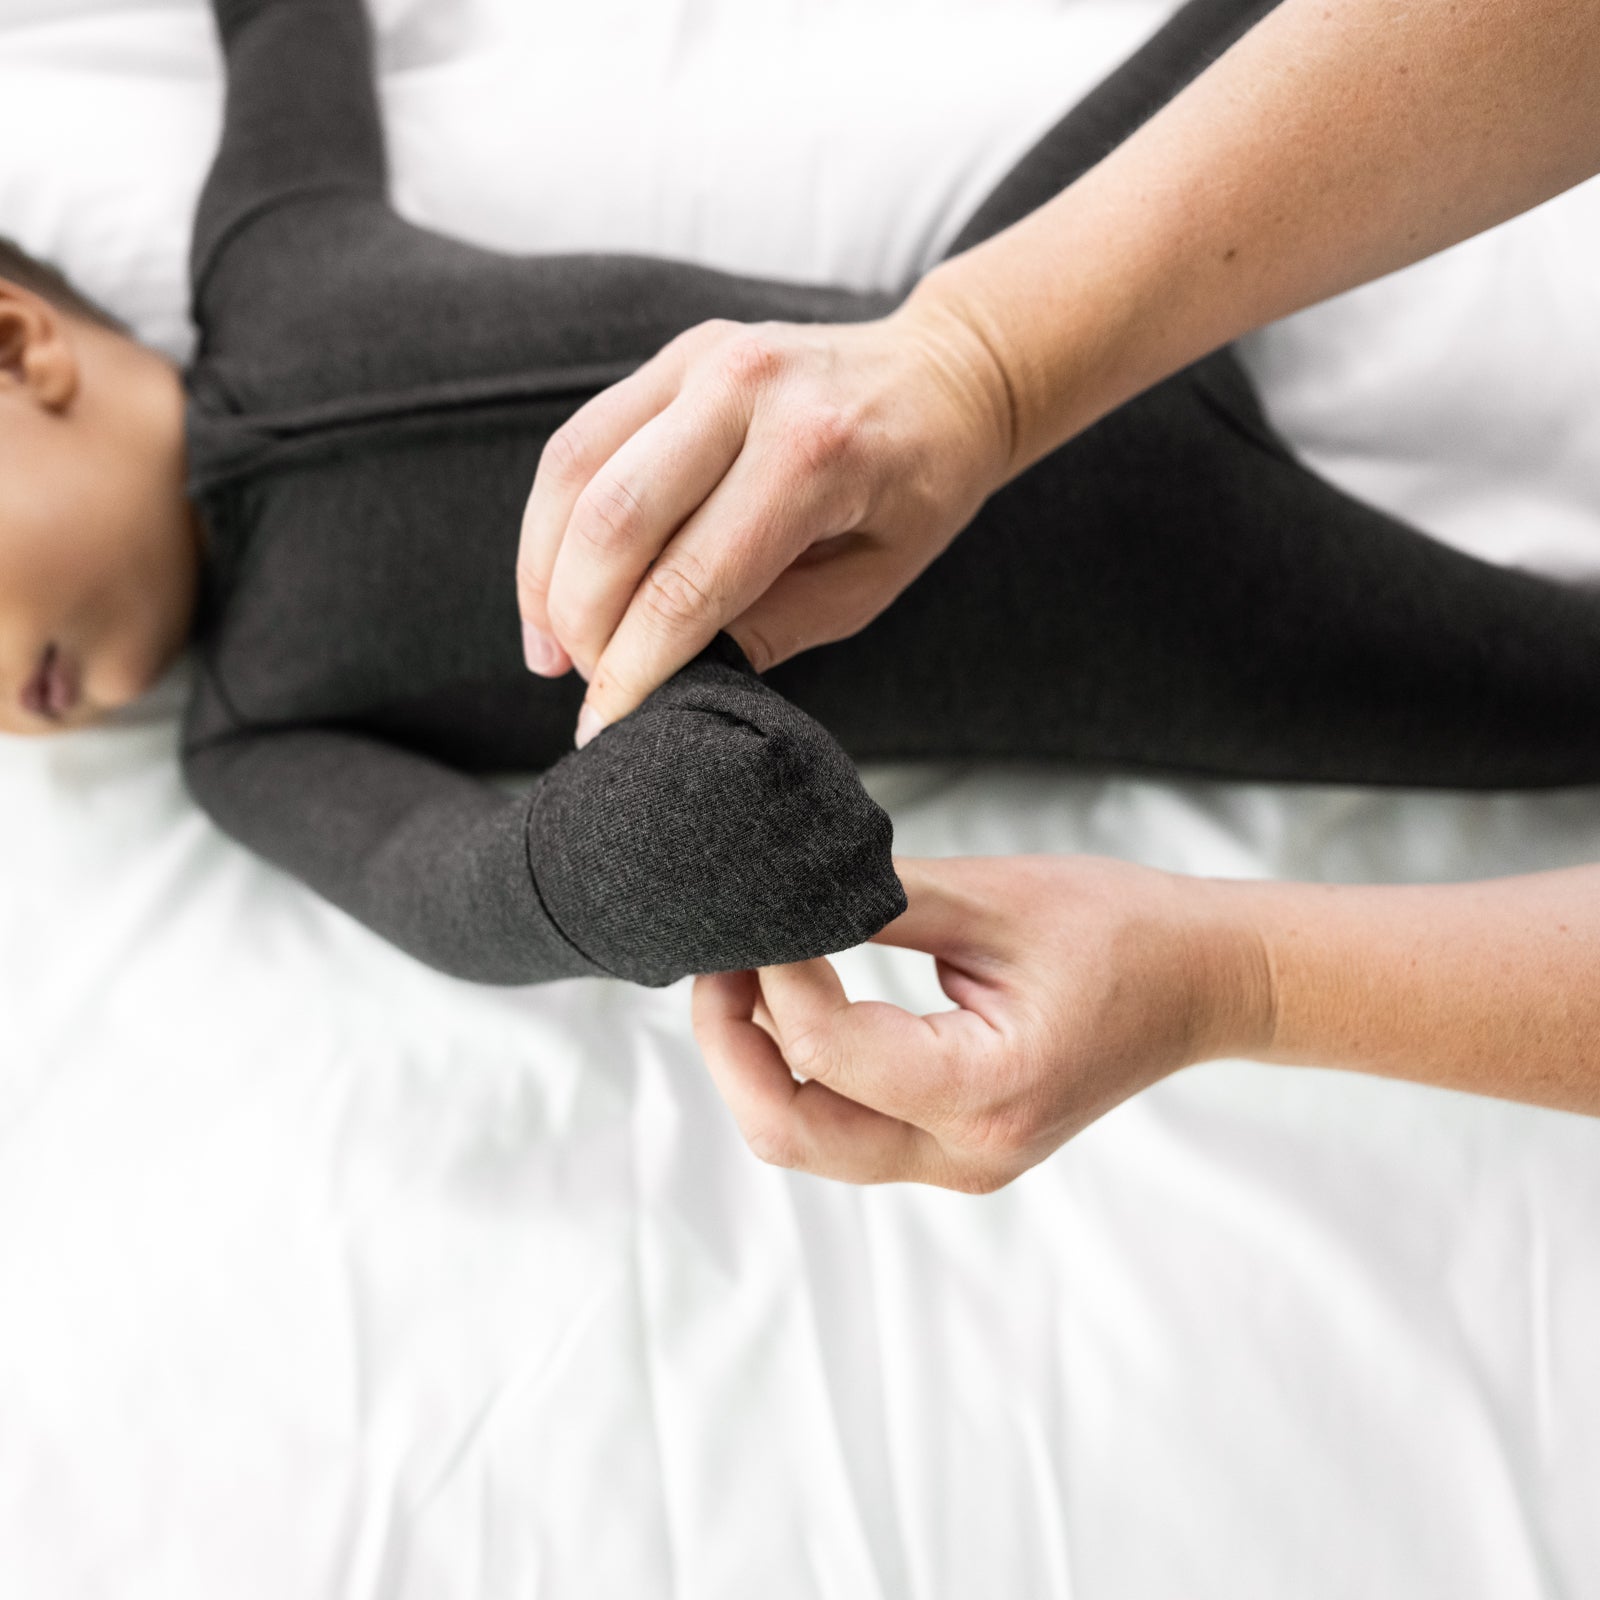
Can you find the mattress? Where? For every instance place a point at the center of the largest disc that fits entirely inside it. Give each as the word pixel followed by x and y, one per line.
pixel 325 1275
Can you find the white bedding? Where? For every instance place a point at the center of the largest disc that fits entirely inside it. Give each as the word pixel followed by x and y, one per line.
pixel 324 1275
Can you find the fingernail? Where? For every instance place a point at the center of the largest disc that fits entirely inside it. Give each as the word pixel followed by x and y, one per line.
pixel 589 724
pixel 541 652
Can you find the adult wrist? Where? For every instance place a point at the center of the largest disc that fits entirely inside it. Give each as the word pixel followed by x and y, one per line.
pixel 960 352
pixel 1236 978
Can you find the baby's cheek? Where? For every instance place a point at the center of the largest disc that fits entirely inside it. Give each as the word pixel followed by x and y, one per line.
pixel 138 645
pixel 122 671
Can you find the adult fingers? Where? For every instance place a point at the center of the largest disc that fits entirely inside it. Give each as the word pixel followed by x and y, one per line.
pixel 950 910
pixel 830 591
pixel 974 932
pixel 912 1068
pixel 571 457
pixel 789 1124
pixel 633 505
pixel 771 505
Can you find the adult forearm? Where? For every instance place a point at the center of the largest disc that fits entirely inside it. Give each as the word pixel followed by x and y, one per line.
pixel 1333 143
pixel 1492 987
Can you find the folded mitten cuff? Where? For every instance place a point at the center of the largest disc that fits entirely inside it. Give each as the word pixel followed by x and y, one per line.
pixel 717 827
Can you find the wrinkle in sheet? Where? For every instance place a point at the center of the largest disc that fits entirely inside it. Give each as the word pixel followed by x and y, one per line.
pixel 847 1345
pixel 464 1457
pixel 1286 1221
pixel 434 1150
pixel 1539 1328
pixel 640 1283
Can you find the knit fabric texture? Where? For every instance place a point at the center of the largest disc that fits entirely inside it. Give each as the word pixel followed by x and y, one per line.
pixel 716 827
pixel 1171 590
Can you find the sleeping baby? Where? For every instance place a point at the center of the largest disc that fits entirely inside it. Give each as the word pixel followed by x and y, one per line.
pixel 326 504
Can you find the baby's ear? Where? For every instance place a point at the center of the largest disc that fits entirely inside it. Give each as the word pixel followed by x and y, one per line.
pixel 38 354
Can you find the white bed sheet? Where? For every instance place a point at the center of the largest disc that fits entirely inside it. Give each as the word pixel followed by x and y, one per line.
pixel 324 1275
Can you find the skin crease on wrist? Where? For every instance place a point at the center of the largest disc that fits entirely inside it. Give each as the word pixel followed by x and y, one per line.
pixel 1330 145
pixel 100 548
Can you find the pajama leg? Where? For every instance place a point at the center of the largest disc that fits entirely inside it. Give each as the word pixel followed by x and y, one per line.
pixel 1172 589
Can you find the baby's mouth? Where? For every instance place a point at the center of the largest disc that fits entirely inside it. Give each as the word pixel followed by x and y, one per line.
pixel 53 690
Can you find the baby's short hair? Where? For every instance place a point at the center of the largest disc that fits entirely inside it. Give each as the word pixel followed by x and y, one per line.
pixel 50 284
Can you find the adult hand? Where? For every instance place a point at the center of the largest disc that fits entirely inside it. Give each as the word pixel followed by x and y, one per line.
pixel 783 482
pixel 1325 148
pixel 1078 982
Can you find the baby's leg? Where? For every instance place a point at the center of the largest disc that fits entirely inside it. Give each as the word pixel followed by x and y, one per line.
pixel 1184 598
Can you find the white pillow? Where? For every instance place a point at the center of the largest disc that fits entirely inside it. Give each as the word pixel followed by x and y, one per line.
pixel 770 136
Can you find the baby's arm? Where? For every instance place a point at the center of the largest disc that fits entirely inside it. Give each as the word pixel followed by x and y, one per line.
pixel 433 861
pixel 307 285
pixel 301 116
pixel 718 828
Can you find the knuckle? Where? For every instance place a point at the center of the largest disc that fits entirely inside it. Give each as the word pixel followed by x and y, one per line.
pixel 980 1180
pixel 565 457
pixel 675 597
pixel 822 441
pixel 565 620
pixel 532 589
pixel 774 1146
pixel 998 1133
pixel 569 621
pixel 702 341
pixel 752 359
pixel 607 516
pixel 713 331
pixel 811 1053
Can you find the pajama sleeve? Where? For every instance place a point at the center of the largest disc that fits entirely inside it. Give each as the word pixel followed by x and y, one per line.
pixel 434 862
pixel 716 828
pixel 301 119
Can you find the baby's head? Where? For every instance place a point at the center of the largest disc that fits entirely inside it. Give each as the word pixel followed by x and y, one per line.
pixel 99 545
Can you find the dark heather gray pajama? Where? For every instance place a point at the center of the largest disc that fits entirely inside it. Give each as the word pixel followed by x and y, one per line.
pixel 368 402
